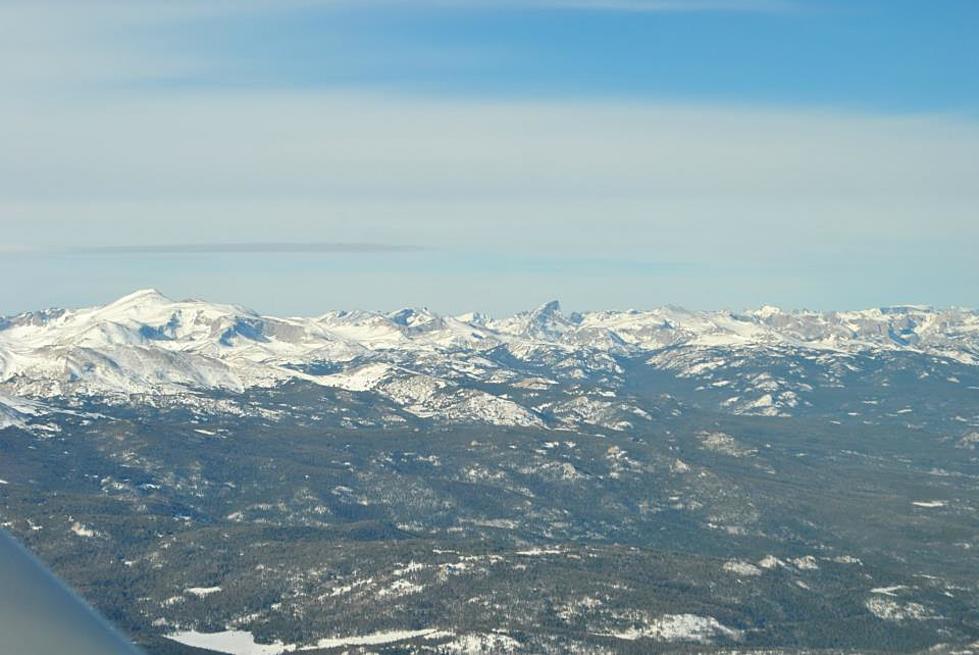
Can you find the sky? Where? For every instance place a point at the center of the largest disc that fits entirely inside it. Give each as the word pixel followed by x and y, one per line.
pixel 297 156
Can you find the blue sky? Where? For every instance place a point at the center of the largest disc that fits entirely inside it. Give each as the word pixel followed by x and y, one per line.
pixel 891 55
pixel 490 155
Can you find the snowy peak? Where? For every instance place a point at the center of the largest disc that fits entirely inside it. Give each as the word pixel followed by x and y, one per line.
pixel 545 323
pixel 411 317
pixel 147 343
pixel 149 318
pixel 145 317
pixel 140 297
pixel 547 311
pixel 766 312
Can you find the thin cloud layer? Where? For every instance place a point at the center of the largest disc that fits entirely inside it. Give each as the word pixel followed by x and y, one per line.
pixel 663 5
pixel 248 248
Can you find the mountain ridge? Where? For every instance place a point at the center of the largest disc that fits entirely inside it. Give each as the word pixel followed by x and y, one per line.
pixel 458 367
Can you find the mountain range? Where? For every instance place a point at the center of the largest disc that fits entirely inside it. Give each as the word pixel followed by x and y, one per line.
pixel 468 368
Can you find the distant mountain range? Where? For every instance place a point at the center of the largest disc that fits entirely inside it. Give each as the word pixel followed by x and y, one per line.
pixel 536 368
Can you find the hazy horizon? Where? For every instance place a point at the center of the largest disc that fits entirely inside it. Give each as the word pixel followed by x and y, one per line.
pixel 564 308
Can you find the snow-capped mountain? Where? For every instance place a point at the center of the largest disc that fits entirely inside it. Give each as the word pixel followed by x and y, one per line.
pixel 541 367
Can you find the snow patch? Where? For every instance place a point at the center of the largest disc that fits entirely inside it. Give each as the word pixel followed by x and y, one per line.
pixel 481 644
pixel 374 639
pixel 739 567
pixel 890 610
pixel 231 642
pixel 82 530
pixel 679 627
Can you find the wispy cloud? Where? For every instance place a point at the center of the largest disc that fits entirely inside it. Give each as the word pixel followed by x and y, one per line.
pixel 660 5
pixel 15 249
pixel 591 5
pixel 248 248
pixel 244 248
pixel 152 11
pixel 363 168
pixel 58 45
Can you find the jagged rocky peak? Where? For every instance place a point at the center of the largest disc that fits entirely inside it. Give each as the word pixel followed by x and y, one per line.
pixel 548 309
pixel 473 318
pixel 766 311
pixel 412 316
pixel 547 321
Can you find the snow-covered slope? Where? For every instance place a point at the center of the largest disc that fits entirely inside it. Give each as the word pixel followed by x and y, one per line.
pixel 467 367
